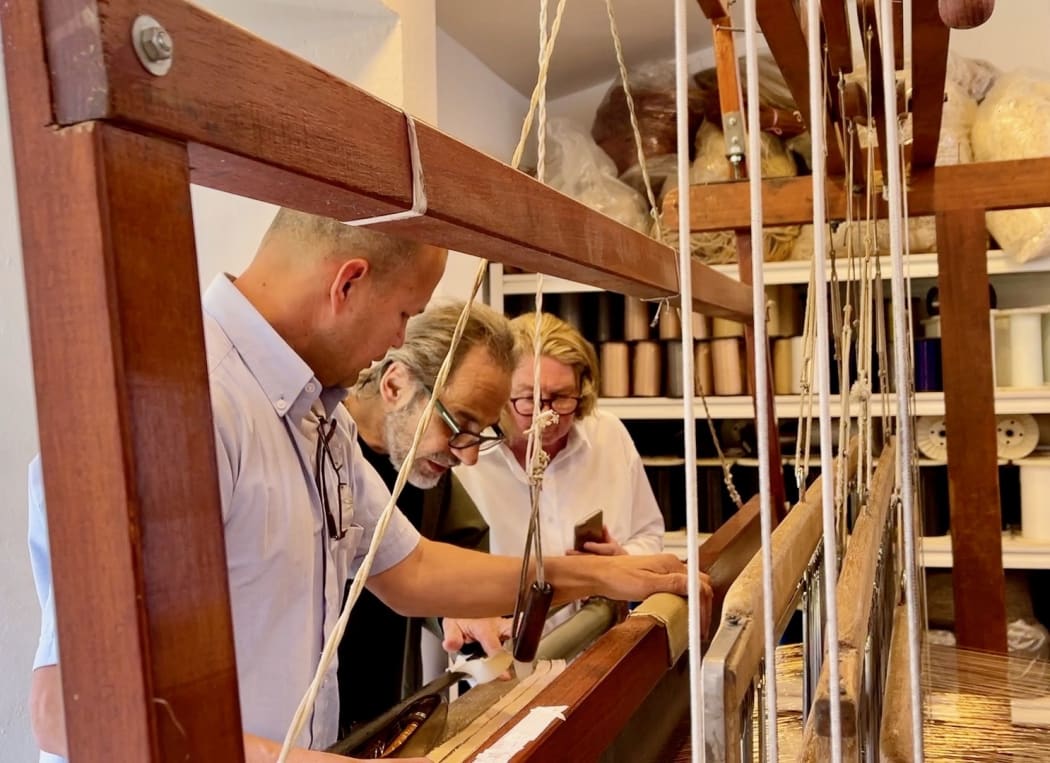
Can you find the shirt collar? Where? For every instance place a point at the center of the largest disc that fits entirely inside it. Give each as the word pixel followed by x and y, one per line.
pixel 286 379
pixel 578 440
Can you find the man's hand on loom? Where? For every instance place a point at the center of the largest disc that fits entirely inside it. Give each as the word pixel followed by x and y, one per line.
pixel 633 578
pixel 489 632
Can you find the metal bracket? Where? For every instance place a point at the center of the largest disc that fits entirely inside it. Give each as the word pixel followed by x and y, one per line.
pixel 733 129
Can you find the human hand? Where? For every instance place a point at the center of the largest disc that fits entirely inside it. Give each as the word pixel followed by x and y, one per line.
pixel 490 632
pixel 635 577
pixel 606 547
pixel 658 573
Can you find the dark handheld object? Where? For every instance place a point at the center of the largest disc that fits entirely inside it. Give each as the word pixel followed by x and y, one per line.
pixel 411 729
pixel 588 531
pixel 529 627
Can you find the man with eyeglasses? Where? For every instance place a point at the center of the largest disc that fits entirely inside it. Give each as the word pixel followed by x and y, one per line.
pixel 286 339
pixel 386 404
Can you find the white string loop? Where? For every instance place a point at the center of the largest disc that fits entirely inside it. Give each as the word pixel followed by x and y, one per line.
pixel 419 188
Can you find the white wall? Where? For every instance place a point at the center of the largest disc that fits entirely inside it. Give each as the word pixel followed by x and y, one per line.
pixel 364 41
pixel 480 109
pixel 19 618
pixel 1014 37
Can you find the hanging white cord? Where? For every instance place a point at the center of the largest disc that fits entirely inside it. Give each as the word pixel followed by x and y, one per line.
pixel 820 294
pixel 758 308
pixel 685 267
pixel 901 333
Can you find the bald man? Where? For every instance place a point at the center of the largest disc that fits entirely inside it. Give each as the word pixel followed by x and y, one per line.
pixel 319 302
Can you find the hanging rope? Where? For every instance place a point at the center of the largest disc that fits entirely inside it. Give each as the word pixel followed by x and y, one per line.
pixel 696 714
pixel 816 109
pixel 762 401
pixel 901 332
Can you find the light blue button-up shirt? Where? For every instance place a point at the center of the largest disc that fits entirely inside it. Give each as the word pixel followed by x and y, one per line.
pixel 286 575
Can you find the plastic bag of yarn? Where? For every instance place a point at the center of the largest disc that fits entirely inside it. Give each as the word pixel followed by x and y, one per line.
pixel 1013 122
pixel 711 166
pixel 577 167
pixel 652 88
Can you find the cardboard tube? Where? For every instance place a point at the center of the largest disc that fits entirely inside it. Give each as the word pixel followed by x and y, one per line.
pixel 673 373
pixel 647 370
pixel 636 320
pixel 727 360
pixel 783 381
pixel 702 369
pixel 615 369
pixel 1035 486
pixel 670 325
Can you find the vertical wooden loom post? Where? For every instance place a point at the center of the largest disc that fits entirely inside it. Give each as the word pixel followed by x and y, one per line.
pixel 126 434
pixel 732 107
pixel 969 400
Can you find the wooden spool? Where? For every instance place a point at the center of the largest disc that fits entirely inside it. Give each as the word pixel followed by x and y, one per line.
pixel 673 373
pixel 701 326
pixel 721 327
pixel 727 359
pixel 670 325
pixel 702 369
pixel 635 320
pixel 615 369
pixel 647 370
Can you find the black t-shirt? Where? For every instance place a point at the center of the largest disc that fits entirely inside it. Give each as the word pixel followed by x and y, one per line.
pixel 379 660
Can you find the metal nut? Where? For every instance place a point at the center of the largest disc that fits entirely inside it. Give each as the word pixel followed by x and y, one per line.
pixel 156 43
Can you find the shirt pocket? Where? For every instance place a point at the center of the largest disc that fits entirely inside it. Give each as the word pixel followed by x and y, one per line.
pixel 345 549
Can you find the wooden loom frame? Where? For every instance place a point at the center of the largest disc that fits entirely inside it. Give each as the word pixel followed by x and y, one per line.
pixel 958 196
pixel 104 155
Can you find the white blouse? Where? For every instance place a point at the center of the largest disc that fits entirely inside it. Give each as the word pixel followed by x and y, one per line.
pixel 599 468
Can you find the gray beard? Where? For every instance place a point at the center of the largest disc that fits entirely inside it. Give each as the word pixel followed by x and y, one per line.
pixel 398 427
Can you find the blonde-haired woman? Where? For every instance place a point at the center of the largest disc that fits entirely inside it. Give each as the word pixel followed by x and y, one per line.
pixel 594 464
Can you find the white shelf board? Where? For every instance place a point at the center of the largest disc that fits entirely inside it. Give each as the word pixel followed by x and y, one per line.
pixel 1018 553
pixel 1007 400
pixel 919 266
pixel 525 283
pixel 791 272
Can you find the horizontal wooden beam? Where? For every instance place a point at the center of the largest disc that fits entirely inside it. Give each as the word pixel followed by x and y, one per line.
pixel 1014 184
pixel 262 123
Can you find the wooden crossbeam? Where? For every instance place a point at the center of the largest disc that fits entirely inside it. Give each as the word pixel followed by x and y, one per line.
pixel 714 10
pixel 278 129
pixel 853 593
pixel 837 37
pixel 783 32
pixel 873 52
pixel 1013 184
pixel 929 66
pixel 128 450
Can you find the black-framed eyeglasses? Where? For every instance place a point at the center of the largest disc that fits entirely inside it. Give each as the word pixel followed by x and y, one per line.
pixel 461 438
pixel 323 460
pixel 563 405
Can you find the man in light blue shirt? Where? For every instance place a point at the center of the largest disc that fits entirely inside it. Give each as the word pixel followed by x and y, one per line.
pixel 318 303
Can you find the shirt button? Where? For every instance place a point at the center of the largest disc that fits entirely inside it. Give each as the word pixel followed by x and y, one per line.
pixel 281 405
pixel 310 387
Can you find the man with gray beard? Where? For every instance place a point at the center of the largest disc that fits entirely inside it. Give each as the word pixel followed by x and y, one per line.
pixel 380 645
